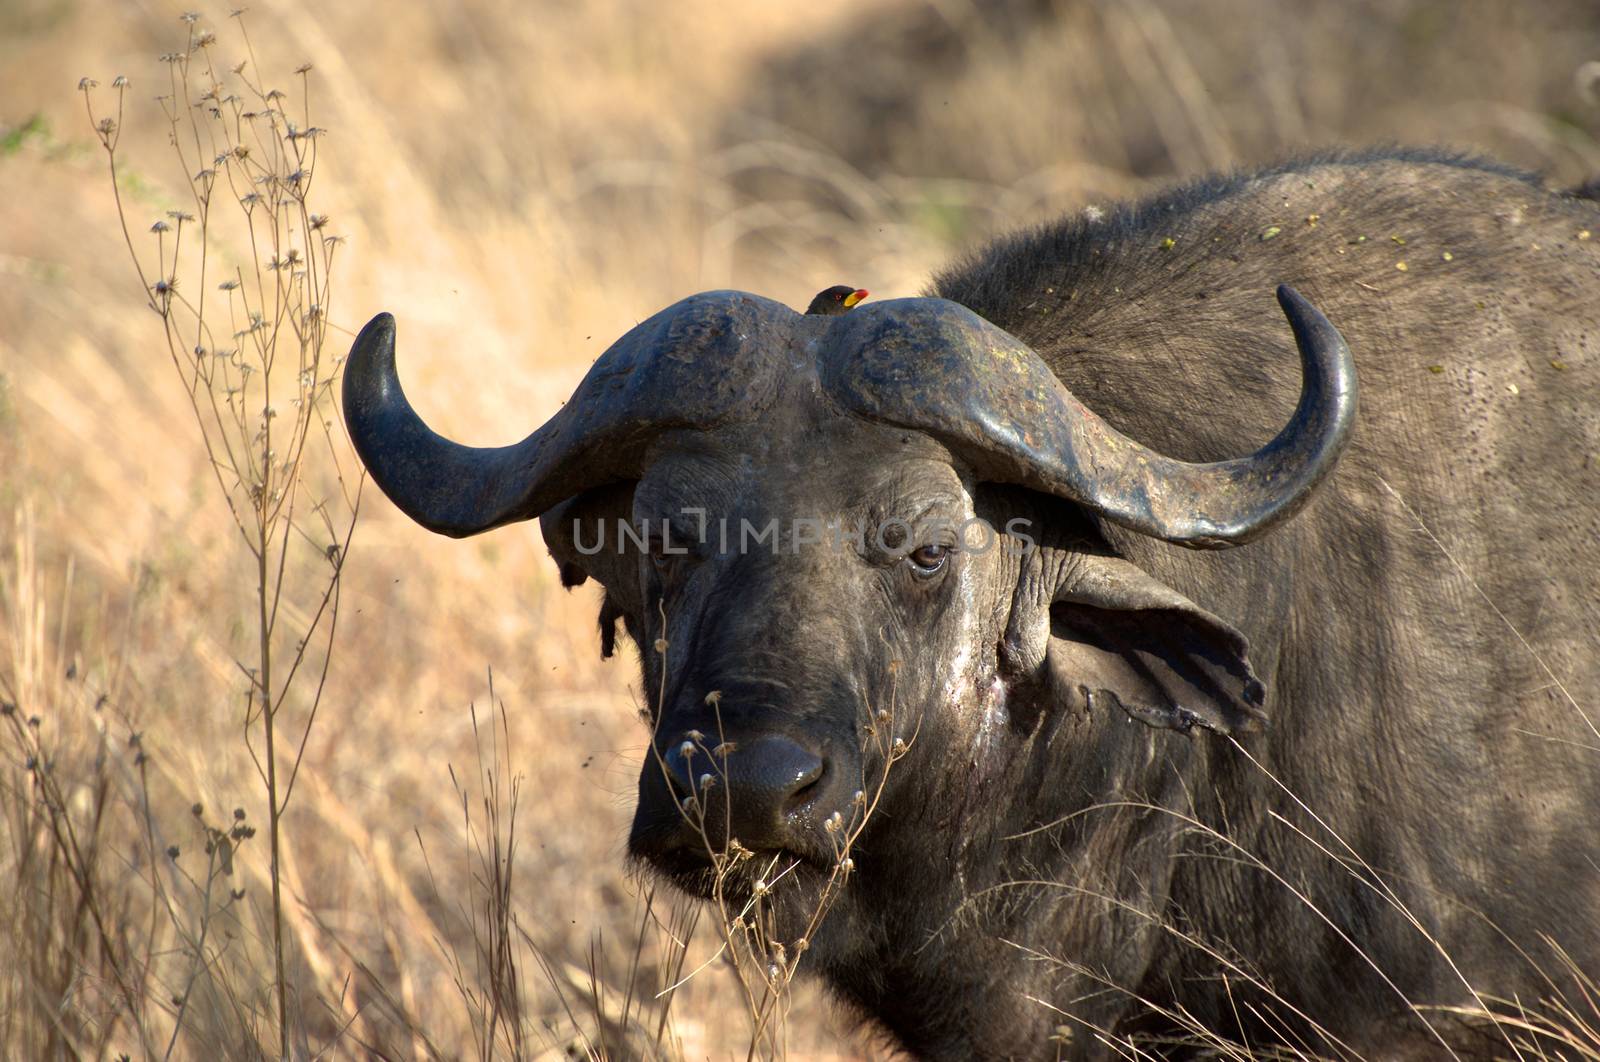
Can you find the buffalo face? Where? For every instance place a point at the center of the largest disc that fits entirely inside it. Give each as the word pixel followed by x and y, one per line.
pixel 834 539
pixel 804 593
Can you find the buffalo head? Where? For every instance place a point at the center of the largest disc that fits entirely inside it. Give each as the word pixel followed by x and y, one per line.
pixel 834 537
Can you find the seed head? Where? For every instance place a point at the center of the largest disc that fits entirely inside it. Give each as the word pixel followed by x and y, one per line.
pixel 121 82
pixel 161 226
pixel 686 749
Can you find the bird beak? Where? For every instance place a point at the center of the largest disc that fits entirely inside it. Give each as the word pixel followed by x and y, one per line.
pixel 855 297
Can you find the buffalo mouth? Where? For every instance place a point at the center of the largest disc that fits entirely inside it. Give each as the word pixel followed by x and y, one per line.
pixel 687 863
pixel 782 889
pixel 784 879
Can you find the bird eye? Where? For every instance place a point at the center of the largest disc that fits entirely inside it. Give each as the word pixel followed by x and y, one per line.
pixel 927 560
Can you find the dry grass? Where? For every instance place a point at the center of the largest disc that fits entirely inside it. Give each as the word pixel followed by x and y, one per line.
pixel 520 185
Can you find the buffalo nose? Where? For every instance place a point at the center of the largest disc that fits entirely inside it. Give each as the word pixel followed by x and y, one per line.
pixel 760 787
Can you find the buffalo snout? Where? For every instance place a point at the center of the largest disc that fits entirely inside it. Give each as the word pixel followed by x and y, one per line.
pixel 770 792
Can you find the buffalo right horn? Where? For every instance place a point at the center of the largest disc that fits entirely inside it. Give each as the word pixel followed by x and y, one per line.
pixel 679 369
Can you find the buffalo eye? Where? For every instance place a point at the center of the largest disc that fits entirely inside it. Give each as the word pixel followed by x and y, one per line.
pixel 928 560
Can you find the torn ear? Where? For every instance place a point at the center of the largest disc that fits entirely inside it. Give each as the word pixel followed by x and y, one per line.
pixel 610 614
pixel 1119 638
pixel 590 520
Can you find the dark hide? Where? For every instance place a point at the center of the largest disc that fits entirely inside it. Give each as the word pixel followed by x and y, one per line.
pixel 1313 792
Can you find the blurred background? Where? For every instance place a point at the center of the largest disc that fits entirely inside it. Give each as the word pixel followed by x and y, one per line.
pixel 520 183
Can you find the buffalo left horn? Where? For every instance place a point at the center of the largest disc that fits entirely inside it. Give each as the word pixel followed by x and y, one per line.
pixel 937 367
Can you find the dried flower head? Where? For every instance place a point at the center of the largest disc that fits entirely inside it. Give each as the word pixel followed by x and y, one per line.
pixel 121 82
pixel 87 83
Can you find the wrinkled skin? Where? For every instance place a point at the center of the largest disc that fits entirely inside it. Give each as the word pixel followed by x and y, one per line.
pixel 1144 780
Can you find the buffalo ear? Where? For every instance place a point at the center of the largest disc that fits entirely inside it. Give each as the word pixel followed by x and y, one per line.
pixel 591 519
pixel 1119 638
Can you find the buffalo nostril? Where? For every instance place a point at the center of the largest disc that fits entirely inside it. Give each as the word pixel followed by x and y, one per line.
pixel 760 784
pixel 770 779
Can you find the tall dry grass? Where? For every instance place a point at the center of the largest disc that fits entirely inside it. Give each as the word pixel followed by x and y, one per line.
pixel 521 184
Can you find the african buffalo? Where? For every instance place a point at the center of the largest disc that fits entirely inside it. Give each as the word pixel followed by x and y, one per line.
pixel 1337 789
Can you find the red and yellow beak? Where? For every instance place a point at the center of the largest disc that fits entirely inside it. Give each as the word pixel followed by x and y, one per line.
pixel 855 297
